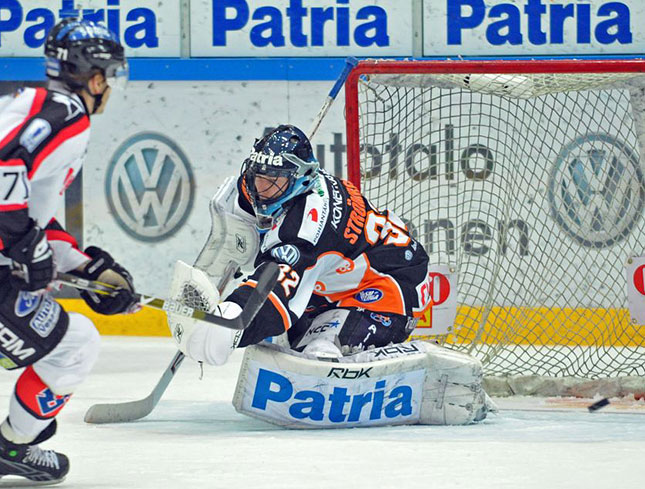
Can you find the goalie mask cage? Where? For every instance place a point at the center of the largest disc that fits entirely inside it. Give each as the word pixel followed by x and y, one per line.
pixel 525 177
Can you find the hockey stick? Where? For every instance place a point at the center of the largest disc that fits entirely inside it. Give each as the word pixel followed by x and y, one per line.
pixel 132 410
pixel 265 283
pixel 350 62
pixel 124 412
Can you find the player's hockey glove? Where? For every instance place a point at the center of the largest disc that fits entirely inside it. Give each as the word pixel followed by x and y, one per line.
pixel 103 268
pixel 33 260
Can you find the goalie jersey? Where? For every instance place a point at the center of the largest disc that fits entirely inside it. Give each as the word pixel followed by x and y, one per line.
pixel 335 250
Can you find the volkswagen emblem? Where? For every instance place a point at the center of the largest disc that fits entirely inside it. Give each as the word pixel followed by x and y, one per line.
pixel 150 187
pixel 596 190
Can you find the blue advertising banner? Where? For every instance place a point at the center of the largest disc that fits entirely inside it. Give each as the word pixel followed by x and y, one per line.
pixel 146 27
pixel 533 27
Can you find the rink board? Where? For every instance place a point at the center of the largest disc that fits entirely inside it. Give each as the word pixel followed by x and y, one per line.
pixel 540 326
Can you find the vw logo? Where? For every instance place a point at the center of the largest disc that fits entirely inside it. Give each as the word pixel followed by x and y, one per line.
pixel 150 187
pixel 596 190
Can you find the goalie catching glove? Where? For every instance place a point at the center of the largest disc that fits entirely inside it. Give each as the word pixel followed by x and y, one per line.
pixel 103 268
pixel 200 341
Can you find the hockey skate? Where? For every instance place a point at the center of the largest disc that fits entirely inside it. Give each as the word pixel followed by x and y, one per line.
pixel 30 465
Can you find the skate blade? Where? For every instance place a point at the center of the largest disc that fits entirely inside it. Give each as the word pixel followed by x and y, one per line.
pixel 17 481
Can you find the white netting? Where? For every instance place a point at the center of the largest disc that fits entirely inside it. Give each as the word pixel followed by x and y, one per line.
pixel 532 187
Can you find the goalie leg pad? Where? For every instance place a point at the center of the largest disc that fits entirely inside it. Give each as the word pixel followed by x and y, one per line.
pixel 410 383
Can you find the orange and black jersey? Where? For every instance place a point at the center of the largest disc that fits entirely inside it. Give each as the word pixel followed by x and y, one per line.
pixel 43 139
pixel 335 249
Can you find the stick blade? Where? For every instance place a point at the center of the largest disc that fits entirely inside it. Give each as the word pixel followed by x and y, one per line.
pixel 123 412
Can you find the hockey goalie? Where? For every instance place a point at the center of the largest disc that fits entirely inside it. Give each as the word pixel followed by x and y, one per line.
pixel 348 296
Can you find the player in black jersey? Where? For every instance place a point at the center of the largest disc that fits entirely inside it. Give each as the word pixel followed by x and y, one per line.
pixel 351 276
pixel 44 135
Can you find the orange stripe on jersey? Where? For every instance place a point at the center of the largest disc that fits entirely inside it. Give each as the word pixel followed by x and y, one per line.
pixel 36 106
pixel 391 297
pixel 67 133
pixel 276 302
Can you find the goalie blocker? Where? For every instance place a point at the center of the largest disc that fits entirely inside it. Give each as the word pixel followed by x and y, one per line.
pixel 401 384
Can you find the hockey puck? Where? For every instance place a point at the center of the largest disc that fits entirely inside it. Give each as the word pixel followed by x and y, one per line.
pixel 598 405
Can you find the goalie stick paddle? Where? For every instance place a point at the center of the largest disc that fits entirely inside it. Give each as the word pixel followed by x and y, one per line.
pixel 266 282
pixel 133 410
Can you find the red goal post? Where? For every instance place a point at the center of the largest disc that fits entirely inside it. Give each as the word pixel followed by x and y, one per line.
pixel 526 178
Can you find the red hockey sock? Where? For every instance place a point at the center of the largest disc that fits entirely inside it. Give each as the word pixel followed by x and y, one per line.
pixel 34 395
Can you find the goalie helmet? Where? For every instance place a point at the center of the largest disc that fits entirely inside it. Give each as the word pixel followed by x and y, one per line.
pixel 282 163
pixel 77 49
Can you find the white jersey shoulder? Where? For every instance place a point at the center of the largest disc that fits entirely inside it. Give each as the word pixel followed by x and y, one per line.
pixel 315 214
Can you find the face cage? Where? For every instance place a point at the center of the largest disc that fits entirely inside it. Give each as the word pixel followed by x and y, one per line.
pixel 253 170
pixel 117 75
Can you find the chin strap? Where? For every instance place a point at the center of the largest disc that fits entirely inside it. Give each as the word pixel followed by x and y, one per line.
pixel 98 99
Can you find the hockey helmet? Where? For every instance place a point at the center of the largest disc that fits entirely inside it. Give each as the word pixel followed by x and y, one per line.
pixel 77 49
pixel 283 163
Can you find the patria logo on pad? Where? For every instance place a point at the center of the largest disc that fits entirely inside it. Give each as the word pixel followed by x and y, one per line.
pixel 378 401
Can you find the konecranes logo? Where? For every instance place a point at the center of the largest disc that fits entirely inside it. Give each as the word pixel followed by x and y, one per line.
pixel 150 187
pixel 596 190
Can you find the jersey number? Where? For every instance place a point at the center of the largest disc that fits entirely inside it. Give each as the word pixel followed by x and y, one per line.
pixel 11 179
pixel 288 278
pixel 378 227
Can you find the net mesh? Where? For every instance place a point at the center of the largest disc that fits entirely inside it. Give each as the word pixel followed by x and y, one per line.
pixel 531 187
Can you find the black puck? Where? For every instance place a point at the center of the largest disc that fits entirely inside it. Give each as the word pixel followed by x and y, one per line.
pixel 598 405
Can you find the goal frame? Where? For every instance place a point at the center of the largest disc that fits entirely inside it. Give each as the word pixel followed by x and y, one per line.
pixel 372 66
pixel 532 384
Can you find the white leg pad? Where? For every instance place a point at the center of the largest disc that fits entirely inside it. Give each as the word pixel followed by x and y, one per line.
pixel 408 383
pixel 453 393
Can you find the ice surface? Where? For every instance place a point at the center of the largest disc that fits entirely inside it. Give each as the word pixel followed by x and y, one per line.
pixel 195 439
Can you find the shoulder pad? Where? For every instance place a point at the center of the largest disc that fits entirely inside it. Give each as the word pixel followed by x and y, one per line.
pixel 314 217
pixel 70 106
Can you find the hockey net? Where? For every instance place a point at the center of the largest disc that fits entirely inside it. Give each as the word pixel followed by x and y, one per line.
pixel 526 179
